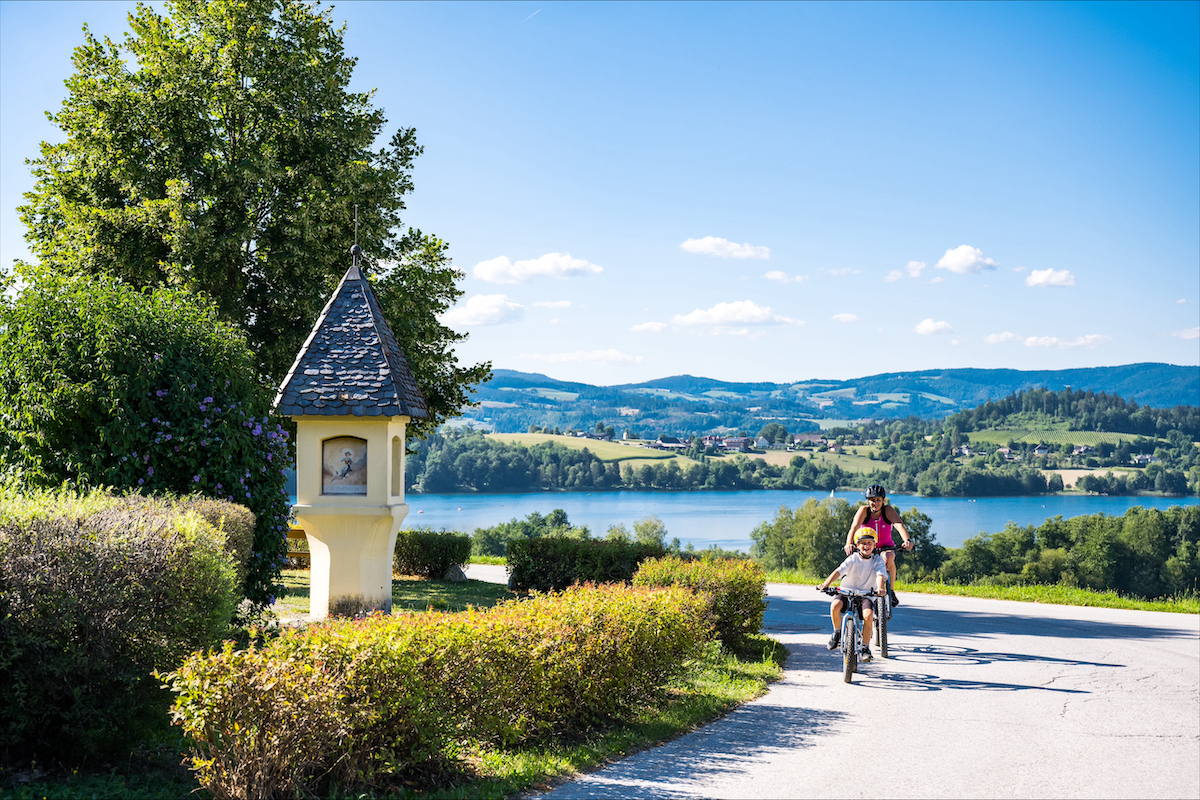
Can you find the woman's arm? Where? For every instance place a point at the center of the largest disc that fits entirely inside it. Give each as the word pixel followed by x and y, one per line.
pixel 859 516
pixel 898 524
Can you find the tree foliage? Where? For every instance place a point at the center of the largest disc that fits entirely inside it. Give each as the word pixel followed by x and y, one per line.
pixel 218 148
pixel 1145 553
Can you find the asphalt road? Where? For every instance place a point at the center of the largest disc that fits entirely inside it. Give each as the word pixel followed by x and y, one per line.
pixel 981 698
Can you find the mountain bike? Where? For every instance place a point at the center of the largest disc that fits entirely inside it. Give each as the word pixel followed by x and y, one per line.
pixel 884 615
pixel 852 626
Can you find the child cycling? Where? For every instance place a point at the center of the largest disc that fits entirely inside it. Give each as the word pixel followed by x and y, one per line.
pixel 860 572
pixel 882 519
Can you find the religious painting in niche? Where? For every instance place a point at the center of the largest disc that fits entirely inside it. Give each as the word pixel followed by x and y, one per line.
pixel 344 465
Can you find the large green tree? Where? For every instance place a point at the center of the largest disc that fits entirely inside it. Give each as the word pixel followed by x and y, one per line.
pixel 218 148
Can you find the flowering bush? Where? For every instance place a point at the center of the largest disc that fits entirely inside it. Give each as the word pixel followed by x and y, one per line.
pixel 352 702
pixel 734 590
pixel 104 385
pixel 96 592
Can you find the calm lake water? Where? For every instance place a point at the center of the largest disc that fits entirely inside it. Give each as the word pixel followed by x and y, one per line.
pixel 727 518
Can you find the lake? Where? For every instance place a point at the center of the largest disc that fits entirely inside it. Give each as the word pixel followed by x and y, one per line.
pixel 727 518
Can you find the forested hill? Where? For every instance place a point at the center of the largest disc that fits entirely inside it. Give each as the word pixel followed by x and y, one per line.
pixel 683 404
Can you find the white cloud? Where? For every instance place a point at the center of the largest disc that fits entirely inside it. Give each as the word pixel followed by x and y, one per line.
pixel 782 277
pixel 740 312
pixel 551 265
pixel 1091 340
pixel 1050 277
pixel 723 248
pixel 927 327
pixel 1187 333
pixel 483 309
pixel 653 327
pixel 842 271
pixel 609 356
pixel 893 276
pixel 1020 269
pixel 965 259
pixel 1181 301
pixel 997 338
pixel 938 279
pixel 553 304
pixel 845 317
pixel 914 268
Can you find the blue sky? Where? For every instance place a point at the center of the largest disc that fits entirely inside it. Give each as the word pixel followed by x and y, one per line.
pixel 768 192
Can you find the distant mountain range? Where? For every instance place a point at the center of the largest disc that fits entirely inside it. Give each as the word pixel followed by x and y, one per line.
pixel 512 401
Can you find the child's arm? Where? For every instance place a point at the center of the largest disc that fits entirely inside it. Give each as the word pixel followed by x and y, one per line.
pixel 833 576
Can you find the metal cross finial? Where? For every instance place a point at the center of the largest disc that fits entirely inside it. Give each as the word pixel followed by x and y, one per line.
pixel 356 251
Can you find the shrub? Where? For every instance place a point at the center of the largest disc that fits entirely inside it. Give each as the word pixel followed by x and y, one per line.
pixel 91 601
pixel 553 563
pixel 357 702
pixel 103 385
pixel 494 541
pixel 735 591
pixel 429 553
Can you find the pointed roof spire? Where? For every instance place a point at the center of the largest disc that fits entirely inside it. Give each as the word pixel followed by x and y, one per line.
pixel 351 363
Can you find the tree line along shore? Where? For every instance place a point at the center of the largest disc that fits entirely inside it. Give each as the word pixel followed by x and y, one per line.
pixel 1032 442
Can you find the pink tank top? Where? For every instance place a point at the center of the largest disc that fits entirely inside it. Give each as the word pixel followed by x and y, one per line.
pixel 882 528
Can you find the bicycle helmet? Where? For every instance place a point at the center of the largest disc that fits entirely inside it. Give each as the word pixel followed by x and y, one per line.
pixel 876 491
pixel 865 533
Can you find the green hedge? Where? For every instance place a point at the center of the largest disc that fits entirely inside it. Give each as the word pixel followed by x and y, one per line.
pixel 429 553
pixel 97 592
pixel 554 563
pixel 735 591
pixel 358 703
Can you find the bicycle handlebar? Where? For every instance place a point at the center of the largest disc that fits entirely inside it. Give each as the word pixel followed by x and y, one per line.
pixel 836 590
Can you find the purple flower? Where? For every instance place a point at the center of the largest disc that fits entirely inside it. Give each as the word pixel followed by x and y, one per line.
pixel 140 481
pixel 168 437
pixel 208 400
pixel 150 472
pixel 202 408
pixel 196 478
pixel 257 430
pixel 176 448
pixel 160 393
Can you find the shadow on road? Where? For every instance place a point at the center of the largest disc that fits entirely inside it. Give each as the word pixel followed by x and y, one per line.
pixel 977 623
pixel 949 654
pixel 725 747
pixel 918 682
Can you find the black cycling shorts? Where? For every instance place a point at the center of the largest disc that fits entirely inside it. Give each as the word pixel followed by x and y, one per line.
pixel 843 605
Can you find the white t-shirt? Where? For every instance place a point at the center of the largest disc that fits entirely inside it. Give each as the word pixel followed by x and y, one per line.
pixel 859 573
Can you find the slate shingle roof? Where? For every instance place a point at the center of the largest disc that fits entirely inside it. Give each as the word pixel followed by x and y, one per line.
pixel 351 363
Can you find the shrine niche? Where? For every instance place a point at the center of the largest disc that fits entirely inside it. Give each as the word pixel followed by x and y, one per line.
pixel 344 465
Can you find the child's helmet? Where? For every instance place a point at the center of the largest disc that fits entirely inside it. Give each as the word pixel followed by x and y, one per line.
pixel 865 533
pixel 876 491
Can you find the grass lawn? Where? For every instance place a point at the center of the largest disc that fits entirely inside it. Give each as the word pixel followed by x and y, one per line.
pixel 1054 594
pixel 1001 436
pixel 709 687
pixel 409 593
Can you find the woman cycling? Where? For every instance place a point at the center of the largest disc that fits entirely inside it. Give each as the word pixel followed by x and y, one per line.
pixel 882 519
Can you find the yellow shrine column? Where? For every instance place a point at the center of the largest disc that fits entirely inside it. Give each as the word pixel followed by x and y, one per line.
pixel 350 502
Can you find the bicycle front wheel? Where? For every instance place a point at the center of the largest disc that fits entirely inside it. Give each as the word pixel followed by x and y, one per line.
pixel 849 648
pixel 881 625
